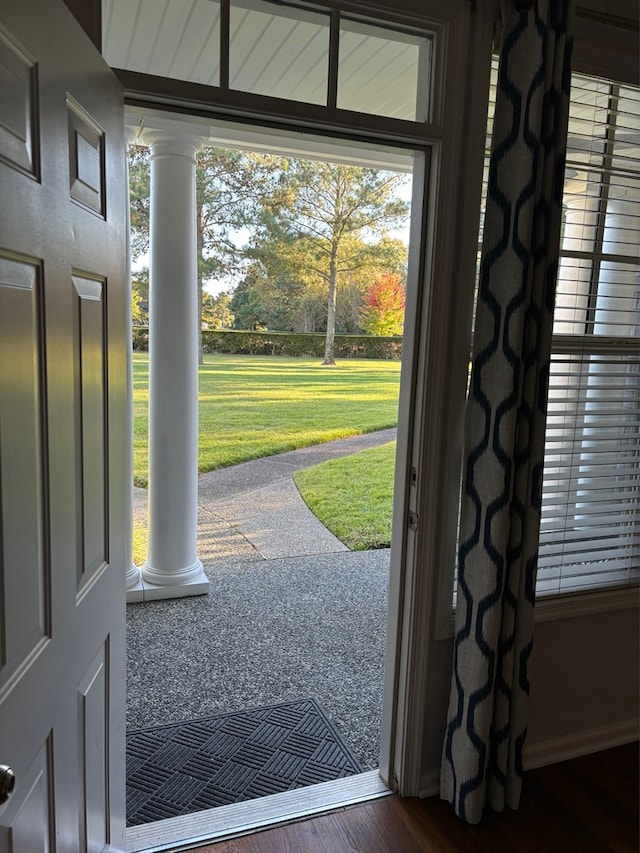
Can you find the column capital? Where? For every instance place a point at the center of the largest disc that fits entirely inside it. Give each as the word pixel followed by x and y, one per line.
pixel 164 144
pixel 172 137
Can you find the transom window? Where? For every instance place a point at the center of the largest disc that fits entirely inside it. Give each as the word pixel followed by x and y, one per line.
pixel 290 51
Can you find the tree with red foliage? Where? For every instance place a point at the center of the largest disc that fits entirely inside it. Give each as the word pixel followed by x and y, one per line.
pixel 383 312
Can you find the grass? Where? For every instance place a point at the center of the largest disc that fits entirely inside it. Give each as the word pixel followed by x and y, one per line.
pixel 353 496
pixel 140 542
pixel 255 406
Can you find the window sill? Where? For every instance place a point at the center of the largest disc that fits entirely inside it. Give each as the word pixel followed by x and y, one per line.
pixel 550 608
pixel 553 608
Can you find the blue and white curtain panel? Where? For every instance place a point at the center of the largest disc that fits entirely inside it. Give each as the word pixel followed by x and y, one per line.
pixel 506 412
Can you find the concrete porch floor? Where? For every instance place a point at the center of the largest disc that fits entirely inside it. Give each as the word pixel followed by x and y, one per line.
pixel 291 613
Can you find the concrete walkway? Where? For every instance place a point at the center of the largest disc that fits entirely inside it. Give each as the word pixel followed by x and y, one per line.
pixel 261 506
pixel 291 613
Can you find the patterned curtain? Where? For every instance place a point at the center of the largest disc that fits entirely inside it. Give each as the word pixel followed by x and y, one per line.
pixel 506 412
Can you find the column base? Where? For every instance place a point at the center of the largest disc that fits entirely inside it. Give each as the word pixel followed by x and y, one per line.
pixel 132 579
pixel 179 585
pixel 133 583
pixel 135 587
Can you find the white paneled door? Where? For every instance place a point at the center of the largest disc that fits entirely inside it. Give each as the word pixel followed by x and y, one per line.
pixel 63 436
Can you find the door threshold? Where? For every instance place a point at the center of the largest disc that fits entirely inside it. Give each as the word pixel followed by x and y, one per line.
pixel 183 833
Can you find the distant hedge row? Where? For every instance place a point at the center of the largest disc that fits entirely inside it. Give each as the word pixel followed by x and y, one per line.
pixel 285 343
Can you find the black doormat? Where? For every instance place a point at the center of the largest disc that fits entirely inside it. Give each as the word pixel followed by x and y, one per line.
pixel 179 768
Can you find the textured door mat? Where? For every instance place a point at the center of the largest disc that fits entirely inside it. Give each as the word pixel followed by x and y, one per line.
pixel 179 768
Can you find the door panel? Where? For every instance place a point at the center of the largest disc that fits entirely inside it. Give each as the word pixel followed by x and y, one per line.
pixel 86 158
pixel 24 605
pixel 34 809
pixel 93 728
pixel 64 495
pixel 90 386
pixel 18 129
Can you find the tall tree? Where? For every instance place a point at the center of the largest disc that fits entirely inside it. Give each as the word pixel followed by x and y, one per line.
pixel 216 311
pixel 228 184
pixel 289 295
pixel 331 215
pixel 246 305
pixel 226 194
pixel 139 192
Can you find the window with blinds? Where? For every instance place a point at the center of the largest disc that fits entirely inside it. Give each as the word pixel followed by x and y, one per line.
pixel 590 529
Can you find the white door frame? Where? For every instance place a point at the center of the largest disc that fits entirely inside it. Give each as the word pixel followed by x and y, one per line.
pixel 427 474
pixel 437 325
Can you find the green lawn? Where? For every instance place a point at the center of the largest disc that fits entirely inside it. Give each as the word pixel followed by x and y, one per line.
pixel 140 542
pixel 254 406
pixel 353 496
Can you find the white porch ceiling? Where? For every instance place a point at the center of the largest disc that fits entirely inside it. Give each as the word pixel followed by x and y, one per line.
pixel 281 51
pixel 143 123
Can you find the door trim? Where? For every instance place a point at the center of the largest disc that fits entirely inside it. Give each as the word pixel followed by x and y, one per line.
pixel 429 434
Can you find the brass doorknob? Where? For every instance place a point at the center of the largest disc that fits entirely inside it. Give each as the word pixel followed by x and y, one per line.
pixel 7 782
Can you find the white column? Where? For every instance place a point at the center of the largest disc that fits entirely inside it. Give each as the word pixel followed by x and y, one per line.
pixel 173 569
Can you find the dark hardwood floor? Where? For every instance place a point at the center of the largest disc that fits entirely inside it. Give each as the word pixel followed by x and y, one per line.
pixel 585 805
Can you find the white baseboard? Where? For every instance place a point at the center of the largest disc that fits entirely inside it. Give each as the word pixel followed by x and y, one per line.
pixel 554 750
pixel 563 748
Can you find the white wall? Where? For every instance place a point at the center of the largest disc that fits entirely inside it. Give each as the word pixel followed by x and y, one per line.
pixel 584 685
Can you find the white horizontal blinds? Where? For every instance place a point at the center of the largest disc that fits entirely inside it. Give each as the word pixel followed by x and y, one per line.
pixel 590 528
pixel 590 532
